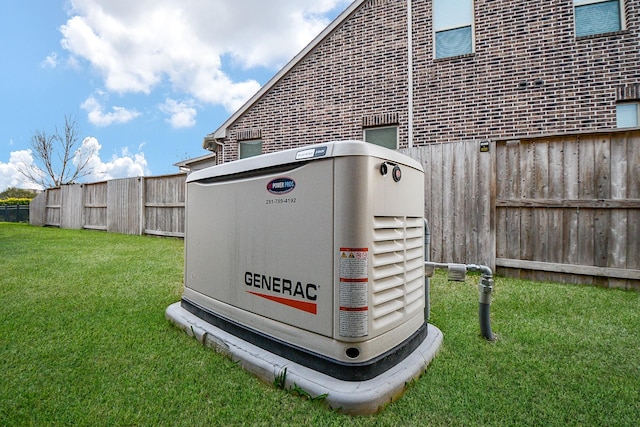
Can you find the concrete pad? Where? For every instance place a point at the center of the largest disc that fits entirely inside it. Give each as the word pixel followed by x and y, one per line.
pixel 350 397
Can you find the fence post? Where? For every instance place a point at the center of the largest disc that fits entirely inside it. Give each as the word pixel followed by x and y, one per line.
pixel 141 219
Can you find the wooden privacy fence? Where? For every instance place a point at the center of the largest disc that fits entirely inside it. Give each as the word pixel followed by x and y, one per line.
pixel 142 205
pixel 563 208
pixel 569 207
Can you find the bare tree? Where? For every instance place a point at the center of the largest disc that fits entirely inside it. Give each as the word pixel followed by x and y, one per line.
pixel 58 157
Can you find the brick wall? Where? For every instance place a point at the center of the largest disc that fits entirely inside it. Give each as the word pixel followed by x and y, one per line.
pixel 528 75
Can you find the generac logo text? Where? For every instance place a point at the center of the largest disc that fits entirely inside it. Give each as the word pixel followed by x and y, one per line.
pixel 283 288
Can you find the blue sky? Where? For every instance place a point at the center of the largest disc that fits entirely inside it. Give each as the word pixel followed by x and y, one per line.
pixel 146 79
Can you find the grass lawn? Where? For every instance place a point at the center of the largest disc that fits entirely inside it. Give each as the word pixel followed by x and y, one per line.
pixel 84 341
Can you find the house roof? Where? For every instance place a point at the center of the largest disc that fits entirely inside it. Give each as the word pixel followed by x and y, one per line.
pixel 221 132
pixel 190 163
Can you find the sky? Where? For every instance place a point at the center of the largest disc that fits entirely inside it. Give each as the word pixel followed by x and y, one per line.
pixel 146 80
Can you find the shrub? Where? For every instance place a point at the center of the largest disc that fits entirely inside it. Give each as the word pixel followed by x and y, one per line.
pixel 12 201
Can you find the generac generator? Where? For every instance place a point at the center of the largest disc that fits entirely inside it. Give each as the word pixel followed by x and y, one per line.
pixel 315 254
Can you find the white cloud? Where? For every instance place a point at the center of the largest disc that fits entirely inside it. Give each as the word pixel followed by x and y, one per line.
pixel 98 117
pixel 124 165
pixel 50 61
pixel 9 175
pixel 73 63
pixel 137 45
pixel 183 114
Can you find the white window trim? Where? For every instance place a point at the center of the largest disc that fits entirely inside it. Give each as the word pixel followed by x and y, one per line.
pixel 473 32
pixel 623 15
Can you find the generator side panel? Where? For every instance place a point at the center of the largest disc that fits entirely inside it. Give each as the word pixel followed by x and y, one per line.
pixel 379 252
pixel 263 244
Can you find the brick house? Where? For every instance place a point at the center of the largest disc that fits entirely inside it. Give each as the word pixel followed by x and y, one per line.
pixel 404 73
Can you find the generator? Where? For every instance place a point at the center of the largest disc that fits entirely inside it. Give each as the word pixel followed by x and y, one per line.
pixel 315 254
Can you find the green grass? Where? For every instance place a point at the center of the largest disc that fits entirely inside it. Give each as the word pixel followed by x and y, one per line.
pixel 84 341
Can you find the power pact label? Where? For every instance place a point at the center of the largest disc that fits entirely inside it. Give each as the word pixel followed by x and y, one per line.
pixel 354 282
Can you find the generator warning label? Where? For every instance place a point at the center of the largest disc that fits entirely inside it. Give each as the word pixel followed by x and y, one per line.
pixel 353 263
pixel 354 283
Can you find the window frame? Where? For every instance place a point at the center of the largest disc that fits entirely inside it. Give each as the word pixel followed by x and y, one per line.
pixel 244 143
pixel 375 128
pixel 580 3
pixel 435 31
pixel 637 123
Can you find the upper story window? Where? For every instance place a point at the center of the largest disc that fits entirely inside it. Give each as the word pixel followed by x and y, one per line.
pixel 598 16
pixel 453 27
pixel 628 115
pixel 250 148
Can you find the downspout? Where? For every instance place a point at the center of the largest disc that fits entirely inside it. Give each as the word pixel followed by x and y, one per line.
pixel 410 73
pixel 211 141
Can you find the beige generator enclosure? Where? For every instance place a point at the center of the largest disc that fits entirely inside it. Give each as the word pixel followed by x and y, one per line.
pixel 315 254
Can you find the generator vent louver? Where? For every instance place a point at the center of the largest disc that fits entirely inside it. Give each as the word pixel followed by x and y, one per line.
pixel 398 258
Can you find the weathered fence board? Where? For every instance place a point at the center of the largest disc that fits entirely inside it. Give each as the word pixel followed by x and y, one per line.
pixel 633 192
pixel 95 205
pixel 72 215
pixel 617 247
pixel 38 210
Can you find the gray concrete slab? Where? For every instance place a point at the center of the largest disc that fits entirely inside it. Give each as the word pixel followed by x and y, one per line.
pixel 350 397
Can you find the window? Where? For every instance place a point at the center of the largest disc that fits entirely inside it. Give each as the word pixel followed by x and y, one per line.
pixel 597 16
pixel 250 148
pixel 383 136
pixel 628 115
pixel 453 27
